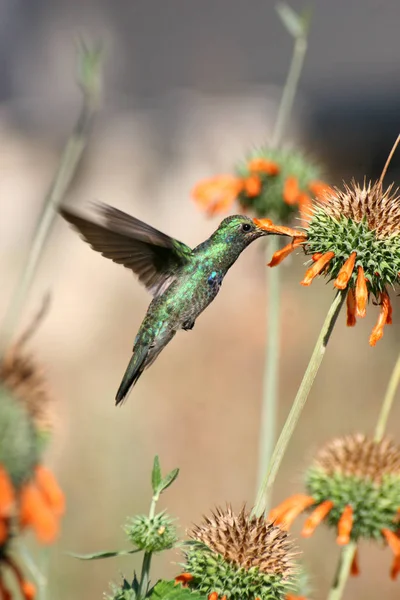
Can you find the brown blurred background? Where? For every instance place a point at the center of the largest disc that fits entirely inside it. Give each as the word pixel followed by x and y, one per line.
pixel 189 87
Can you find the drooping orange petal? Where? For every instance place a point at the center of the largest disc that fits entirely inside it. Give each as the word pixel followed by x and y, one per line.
pixel 389 319
pixel 263 165
pixel 50 489
pixel 213 596
pixel 3 531
pixel 287 519
pixel 316 268
pixel 284 506
pixel 291 190
pixel 351 308
pixel 252 185
pixel 319 189
pixel 385 312
pixel 6 493
pixel 305 206
pixel 217 194
pixel 36 512
pixel 355 569
pixel 361 294
pixel 394 544
pixel 184 579
pixel 316 517
pixel 268 225
pixel 28 590
pixel 345 526
pixel 316 256
pixel 281 254
pixel 345 272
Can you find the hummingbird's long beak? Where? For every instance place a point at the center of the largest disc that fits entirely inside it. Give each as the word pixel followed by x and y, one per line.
pixel 269 228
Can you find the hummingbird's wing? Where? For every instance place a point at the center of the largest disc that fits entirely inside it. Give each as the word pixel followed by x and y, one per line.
pixel 152 255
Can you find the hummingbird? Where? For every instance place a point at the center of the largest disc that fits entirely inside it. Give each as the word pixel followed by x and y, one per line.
pixel 182 280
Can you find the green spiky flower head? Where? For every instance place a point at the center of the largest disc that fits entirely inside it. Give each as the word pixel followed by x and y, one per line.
pixel 362 473
pixel 240 557
pixel 151 534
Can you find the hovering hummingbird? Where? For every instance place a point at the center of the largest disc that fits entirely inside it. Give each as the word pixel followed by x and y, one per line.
pixel 183 281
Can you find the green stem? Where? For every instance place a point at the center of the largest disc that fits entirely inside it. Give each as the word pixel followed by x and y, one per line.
pixel 299 403
pixel 348 553
pixel 270 385
pixel 67 168
pixel 394 382
pixel 346 559
pixel 289 91
pixel 145 576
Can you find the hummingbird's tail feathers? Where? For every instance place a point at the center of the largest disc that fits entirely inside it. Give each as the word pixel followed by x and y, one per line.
pixel 135 368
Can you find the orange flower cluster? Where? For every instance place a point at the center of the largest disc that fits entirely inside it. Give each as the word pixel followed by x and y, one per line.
pixel 217 194
pixel 39 504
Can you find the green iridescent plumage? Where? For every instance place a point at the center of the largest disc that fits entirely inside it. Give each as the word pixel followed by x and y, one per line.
pixel 183 281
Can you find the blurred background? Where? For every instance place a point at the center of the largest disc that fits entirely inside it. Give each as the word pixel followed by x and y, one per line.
pixel 189 87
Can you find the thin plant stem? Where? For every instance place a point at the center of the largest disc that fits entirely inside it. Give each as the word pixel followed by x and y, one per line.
pixel 299 403
pixel 392 387
pixel 270 384
pixel 342 574
pixel 271 365
pixel 145 575
pixel 348 553
pixel 67 168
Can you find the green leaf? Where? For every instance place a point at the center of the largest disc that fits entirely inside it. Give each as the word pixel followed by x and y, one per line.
pixel 168 590
pixel 98 555
pixel 168 480
pixel 296 25
pixel 156 475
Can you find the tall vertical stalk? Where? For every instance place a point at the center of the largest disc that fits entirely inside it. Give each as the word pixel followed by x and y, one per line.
pixel 271 366
pixel 89 79
pixel 348 552
pixel 298 404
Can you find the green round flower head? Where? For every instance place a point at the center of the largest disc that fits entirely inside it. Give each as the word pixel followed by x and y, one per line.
pixel 358 472
pixel 19 448
pixel 151 534
pixel 278 183
pixel 240 557
pixel 364 220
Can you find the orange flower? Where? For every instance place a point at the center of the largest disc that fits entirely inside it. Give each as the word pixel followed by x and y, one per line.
pixel 50 489
pixel 252 185
pixel 320 189
pixel 351 308
pixel 7 497
pixel 345 526
pixel 184 579
pixel 345 272
pixel 361 294
pixel 217 194
pixel 317 267
pixel 263 165
pixel 316 517
pixel 385 318
pixel 291 190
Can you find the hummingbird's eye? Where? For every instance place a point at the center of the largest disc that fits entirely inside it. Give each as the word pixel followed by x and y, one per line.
pixel 246 227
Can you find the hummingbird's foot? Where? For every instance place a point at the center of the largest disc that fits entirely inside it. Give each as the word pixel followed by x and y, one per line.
pixel 188 325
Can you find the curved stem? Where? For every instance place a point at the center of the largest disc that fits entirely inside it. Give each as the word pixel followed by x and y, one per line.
pixel 271 365
pixel 299 403
pixel 342 574
pixel 393 384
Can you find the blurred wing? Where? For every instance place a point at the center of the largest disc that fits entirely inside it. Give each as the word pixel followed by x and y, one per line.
pixel 149 253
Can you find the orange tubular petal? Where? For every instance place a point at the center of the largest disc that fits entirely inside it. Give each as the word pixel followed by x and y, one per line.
pixel 305 206
pixel 361 294
pixel 213 596
pixel 316 268
pixel 36 512
pixel 263 165
pixel 351 308
pixel 346 272
pixel 50 489
pixel 384 314
pixel 291 190
pixel 345 526
pixel 355 569
pixel 268 225
pixel 394 544
pixel 320 189
pixel 281 254
pixel 28 590
pixel 217 194
pixel 252 185
pixel 316 517
pixel 287 519
pixel 316 256
pixel 286 505
pixel 184 579
pixel 6 493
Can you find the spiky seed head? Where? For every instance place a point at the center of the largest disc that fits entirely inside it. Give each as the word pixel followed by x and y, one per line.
pixel 358 471
pixel 361 219
pixel 240 557
pixel 26 382
pixel 151 534
pixel 270 202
